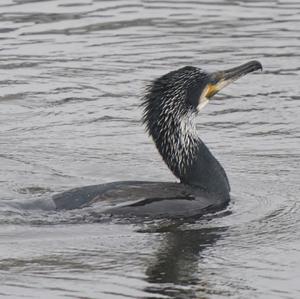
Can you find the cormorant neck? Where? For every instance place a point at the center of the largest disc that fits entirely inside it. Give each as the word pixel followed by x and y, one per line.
pixel 186 154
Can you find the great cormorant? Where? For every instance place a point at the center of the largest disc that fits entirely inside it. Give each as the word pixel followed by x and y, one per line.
pixel 170 105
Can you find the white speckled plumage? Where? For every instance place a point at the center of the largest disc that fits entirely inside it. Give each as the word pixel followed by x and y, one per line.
pixel 174 133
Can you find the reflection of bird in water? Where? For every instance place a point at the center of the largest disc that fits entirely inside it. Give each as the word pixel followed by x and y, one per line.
pixel 170 105
pixel 178 260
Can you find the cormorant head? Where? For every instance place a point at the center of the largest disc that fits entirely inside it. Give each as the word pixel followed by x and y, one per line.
pixel 189 89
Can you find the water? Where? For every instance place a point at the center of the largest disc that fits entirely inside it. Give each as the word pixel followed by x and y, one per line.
pixel 72 74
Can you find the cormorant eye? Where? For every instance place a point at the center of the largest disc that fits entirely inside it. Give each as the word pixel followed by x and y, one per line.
pixel 214 81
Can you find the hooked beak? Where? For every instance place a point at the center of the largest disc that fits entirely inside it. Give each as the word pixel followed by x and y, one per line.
pixel 220 79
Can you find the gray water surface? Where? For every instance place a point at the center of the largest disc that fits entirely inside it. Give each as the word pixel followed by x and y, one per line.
pixel 71 77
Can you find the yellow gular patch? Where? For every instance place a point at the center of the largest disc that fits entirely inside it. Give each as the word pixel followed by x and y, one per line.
pixel 211 90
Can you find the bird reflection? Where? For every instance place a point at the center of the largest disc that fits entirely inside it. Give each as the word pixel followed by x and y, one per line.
pixel 175 266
